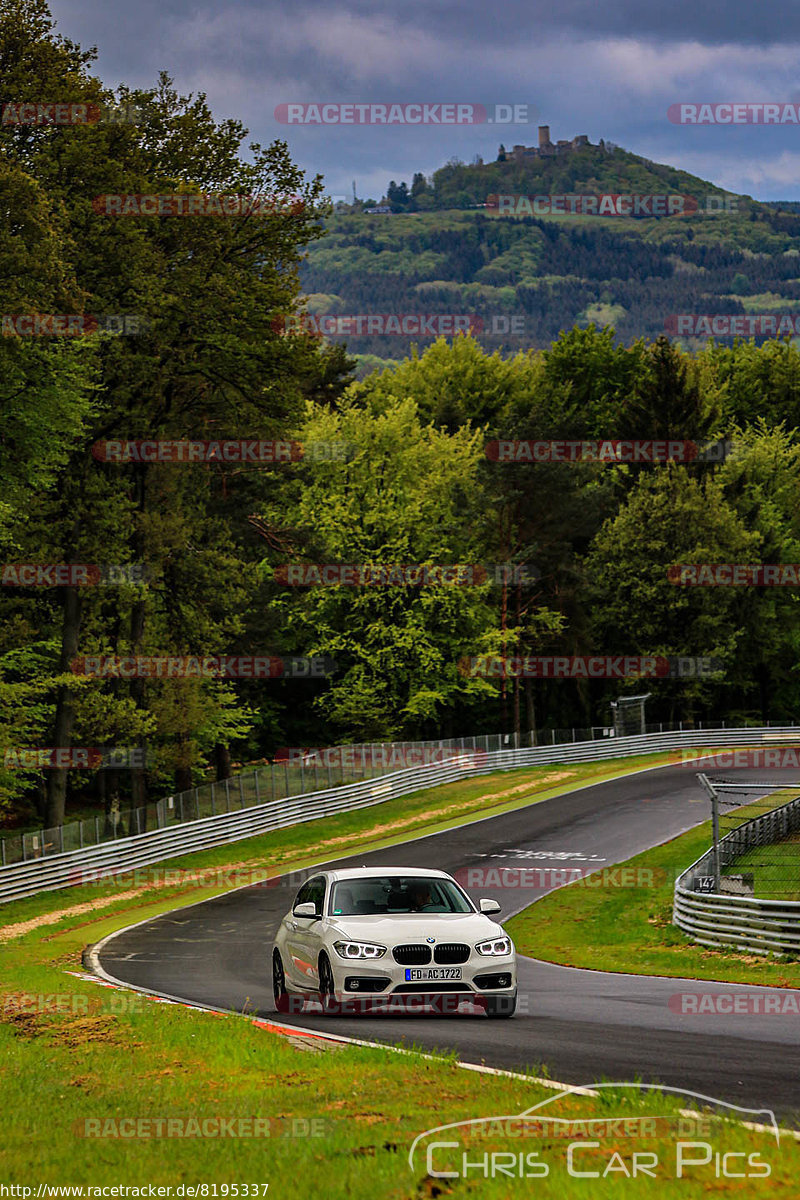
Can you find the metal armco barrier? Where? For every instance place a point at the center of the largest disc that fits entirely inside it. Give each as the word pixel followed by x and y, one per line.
pixel 129 853
pixel 745 922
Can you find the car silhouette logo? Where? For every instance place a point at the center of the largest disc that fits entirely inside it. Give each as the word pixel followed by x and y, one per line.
pixel 431 940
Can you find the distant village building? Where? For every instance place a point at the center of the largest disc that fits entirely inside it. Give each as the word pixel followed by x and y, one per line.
pixel 381 208
pixel 546 148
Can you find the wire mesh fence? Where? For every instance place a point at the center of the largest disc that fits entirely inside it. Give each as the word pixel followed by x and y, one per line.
pixel 301 772
pixel 757 836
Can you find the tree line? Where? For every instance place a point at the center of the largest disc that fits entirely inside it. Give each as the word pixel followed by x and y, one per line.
pixel 402 477
pixel 551 273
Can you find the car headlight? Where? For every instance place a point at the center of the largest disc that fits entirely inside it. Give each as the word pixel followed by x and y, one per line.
pixel 359 950
pixel 496 947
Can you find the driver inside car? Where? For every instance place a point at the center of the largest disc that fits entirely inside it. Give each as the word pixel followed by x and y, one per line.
pixel 421 898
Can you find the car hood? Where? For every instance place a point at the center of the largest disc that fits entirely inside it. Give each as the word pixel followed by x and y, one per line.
pixel 392 931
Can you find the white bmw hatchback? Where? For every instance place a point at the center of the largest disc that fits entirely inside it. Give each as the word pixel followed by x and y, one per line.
pixel 384 935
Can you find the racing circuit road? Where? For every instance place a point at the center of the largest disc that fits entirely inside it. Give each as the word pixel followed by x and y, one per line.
pixel 585 1026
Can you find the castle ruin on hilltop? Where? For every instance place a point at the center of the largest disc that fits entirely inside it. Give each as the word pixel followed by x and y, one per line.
pixel 546 148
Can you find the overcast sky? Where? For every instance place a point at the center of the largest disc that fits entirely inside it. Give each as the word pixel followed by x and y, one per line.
pixel 608 70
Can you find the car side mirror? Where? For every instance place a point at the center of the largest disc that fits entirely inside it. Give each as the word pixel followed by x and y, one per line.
pixel 489 906
pixel 307 909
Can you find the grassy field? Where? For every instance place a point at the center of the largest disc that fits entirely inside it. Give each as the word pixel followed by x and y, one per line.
pixel 117 1089
pixel 102 1087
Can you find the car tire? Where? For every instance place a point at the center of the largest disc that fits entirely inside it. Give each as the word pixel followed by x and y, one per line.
pixel 281 996
pixel 501 1006
pixel 327 995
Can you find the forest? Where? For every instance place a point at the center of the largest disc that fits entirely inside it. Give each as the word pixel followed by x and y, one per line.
pixel 553 273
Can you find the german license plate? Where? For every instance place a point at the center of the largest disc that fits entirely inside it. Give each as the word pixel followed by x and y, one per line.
pixel 431 974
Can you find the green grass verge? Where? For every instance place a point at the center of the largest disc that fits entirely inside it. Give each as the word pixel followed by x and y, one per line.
pixel 81 1065
pixel 630 929
pixel 91 1076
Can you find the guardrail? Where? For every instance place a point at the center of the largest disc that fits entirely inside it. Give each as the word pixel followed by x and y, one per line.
pixel 255 816
pixel 746 922
pixel 298 773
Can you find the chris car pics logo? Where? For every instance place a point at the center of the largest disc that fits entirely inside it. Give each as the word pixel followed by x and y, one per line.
pixel 682 1144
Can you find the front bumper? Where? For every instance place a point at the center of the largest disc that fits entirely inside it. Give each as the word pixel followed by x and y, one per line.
pixel 481 975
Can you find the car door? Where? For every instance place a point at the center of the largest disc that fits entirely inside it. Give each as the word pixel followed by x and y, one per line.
pixel 304 936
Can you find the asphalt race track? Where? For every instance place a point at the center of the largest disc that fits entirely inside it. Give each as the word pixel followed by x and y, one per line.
pixel 585 1026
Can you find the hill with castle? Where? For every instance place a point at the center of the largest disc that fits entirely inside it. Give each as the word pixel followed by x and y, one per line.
pixel 565 165
pixel 440 249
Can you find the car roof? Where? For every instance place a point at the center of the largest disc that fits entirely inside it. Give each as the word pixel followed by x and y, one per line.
pixel 377 872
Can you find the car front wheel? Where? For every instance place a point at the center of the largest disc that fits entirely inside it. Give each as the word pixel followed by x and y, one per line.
pixel 279 984
pixel 327 994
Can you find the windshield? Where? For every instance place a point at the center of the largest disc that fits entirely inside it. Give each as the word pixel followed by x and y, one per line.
pixel 385 895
